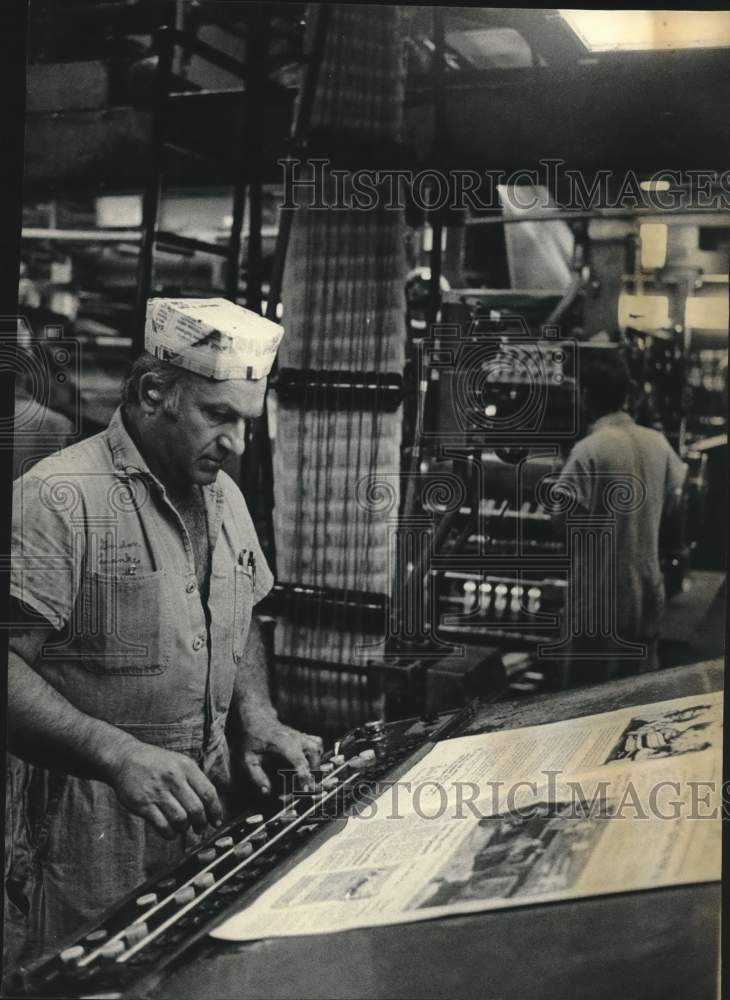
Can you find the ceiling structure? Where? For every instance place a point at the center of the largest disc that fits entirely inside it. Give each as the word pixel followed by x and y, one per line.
pixel 517 86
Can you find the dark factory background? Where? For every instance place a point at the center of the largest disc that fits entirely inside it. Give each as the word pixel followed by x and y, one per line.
pixel 142 178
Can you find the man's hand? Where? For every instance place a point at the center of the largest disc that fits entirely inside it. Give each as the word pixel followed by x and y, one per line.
pixel 267 737
pixel 166 788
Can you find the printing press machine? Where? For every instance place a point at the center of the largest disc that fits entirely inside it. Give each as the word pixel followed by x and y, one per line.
pixel 155 943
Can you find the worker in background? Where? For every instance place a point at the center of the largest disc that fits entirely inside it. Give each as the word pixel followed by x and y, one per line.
pixel 137 683
pixel 628 475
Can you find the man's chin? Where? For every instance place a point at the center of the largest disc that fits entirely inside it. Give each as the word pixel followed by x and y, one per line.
pixel 207 472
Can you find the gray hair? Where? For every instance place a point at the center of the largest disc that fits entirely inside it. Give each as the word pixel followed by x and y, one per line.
pixel 170 380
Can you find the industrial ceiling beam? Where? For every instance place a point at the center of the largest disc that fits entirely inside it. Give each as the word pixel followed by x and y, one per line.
pixel 512 119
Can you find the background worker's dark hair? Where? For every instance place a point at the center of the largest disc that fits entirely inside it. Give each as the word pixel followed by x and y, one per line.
pixel 605 376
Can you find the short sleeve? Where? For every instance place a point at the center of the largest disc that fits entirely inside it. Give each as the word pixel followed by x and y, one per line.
pixel 575 479
pixel 264 580
pixel 47 548
pixel 676 475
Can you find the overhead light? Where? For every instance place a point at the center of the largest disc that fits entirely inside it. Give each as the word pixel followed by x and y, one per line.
pixel 640 30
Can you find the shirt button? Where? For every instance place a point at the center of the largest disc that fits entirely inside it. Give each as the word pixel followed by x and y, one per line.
pixel 190 587
pixel 198 642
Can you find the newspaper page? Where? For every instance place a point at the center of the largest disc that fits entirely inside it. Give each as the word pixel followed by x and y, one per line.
pixel 643 811
pixel 661 730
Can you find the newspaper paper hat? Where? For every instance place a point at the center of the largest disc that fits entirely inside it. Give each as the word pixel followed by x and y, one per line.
pixel 213 337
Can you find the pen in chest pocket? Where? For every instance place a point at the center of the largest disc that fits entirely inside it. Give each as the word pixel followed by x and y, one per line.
pixel 249 564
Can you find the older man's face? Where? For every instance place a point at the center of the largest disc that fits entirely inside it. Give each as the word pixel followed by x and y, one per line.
pixel 208 427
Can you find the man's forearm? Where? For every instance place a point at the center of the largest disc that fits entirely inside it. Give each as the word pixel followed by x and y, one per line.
pixel 46 729
pixel 251 690
pixel 258 735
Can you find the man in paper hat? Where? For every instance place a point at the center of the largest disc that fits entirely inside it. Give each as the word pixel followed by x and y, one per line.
pixel 137 676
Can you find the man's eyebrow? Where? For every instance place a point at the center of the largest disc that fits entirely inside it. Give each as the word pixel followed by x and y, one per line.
pixel 224 408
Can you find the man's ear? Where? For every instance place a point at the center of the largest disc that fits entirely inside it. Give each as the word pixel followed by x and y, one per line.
pixel 150 393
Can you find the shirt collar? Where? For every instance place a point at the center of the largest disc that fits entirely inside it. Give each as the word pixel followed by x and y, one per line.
pixel 126 456
pixel 616 419
pixel 128 460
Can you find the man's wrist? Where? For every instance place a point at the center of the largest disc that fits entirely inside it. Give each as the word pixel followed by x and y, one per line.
pixel 106 747
pixel 254 711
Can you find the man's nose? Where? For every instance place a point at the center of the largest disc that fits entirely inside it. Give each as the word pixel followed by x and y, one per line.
pixel 234 437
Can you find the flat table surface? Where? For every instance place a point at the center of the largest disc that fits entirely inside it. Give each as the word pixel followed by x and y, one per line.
pixel 659 944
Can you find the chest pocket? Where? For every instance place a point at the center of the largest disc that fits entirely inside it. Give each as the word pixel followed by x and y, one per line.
pixel 242 608
pixel 124 624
